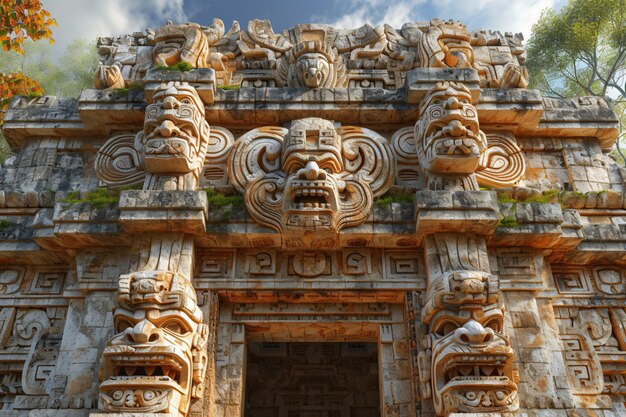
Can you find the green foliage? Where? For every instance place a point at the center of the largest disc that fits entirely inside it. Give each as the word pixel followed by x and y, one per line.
pixel 217 199
pixel 581 50
pixel 4 224
pixel 507 221
pixel 230 87
pixel 181 66
pixel 385 201
pixel 98 198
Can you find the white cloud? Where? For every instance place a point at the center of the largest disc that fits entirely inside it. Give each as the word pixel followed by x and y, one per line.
pixel 88 19
pixel 503 15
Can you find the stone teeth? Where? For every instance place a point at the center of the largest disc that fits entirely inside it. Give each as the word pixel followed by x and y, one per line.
pixel 305 192
pixel 149 370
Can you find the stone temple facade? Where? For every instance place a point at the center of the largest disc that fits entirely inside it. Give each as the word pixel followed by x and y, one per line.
pixel 316 223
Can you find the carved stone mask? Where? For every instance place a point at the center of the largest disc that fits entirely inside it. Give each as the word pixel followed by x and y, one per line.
pixel 447 134
pixel 175 133
pixel 157 360
pixel 446 45
pixel 472 363
pixel 311 176
pixel 180 43
pixel 312 65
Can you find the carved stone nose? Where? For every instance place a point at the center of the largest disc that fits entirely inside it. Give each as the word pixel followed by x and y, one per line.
pixel 170 103
pixel 167 129
pixel 473 332
pixel 313 77
pixel 455 129
pixel 312 172
pixel 143 332
pixel 452 103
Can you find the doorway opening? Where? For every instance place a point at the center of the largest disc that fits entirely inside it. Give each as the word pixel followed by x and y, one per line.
pixel 312 380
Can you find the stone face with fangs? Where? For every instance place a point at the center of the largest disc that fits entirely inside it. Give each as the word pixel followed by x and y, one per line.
pixel 155 362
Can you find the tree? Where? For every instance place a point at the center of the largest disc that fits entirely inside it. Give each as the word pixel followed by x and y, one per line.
pixel 581 50
pixel 21 20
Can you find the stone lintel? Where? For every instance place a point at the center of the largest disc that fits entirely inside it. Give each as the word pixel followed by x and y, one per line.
pixel 420 80
pixel 163 211
pixel 456 211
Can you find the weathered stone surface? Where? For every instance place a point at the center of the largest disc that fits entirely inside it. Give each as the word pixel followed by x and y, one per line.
pixel 319 222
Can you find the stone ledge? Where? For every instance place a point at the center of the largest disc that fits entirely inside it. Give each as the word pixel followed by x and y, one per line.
pixel 536 225
pixel 456 211
pixel 420 80
pixel 144 211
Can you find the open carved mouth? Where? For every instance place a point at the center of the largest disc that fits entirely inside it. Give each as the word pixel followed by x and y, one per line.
pixel 474 367
pixel 156 366
pixel 312 195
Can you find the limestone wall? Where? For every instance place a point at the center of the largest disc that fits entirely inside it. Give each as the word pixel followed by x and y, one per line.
pixel 388 207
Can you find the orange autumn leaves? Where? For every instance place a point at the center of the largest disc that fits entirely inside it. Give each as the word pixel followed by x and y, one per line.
pixel 19 20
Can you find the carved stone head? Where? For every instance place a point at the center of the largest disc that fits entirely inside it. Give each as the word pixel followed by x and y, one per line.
pixel 447 134
pixel 175 134
pixel 472 363
pixel 312 65
pixel 312 176
pixel 157 360
pixel 445 44
pixel 180 43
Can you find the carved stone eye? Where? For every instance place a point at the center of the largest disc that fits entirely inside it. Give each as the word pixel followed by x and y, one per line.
pixel 175 326
pixel 185 101
pixel 122 325
pixel 446 328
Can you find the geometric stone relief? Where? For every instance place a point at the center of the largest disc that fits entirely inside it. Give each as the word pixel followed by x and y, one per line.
pixel 583 366
pixel 331 266
pixel 11 279
pixel 571 280
pixel 516 268
pixel 41 361
pixel 47 282
pixel 610 280
pixel 312 179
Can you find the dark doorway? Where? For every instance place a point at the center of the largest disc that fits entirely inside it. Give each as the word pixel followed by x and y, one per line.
pixel 312 380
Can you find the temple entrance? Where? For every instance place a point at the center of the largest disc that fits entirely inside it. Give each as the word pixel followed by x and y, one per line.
pixel 312 380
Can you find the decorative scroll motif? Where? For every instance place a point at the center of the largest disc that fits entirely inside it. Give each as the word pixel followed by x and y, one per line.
pixel 312 177
pixel 445 44
pixel 454 150
pixel 467 364
pixel 171 150
pixel 188 42
pixel 502 164
pixel 157 360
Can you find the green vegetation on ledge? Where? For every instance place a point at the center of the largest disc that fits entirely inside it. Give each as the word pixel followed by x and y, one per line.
pixel 181 66
pixel 217 199
pixel 230 87
pixel 4 223
pixel 98 198
pixel 385 201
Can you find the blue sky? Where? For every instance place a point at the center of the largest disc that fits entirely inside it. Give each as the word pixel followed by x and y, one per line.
pixel 91 18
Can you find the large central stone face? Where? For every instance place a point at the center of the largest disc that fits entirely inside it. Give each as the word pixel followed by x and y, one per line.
pixel 320 222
